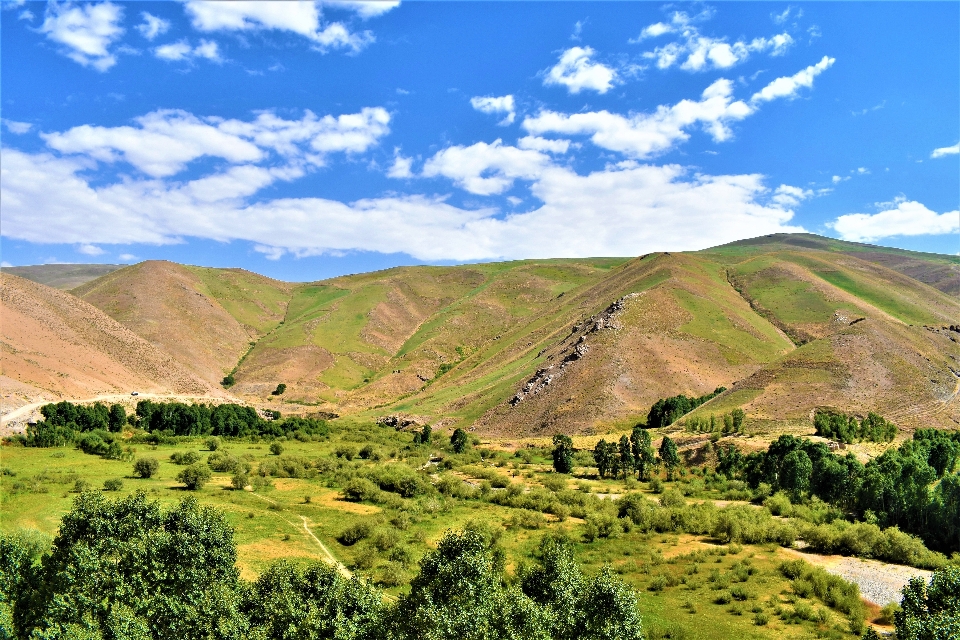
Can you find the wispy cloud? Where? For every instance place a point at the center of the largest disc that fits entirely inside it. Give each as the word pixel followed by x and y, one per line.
pixel 946 151
pixel 576 71
pixel 85 32
pixel 501 104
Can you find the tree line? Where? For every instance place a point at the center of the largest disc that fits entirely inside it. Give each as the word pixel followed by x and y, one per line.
pixel 129 569
pixel 666 411
pixel 841 427
pixel 912 487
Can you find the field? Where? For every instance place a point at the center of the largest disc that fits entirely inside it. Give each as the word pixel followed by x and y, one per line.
pixel 690 586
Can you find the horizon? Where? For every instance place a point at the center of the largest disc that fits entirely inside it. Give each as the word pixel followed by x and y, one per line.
pixel 460 133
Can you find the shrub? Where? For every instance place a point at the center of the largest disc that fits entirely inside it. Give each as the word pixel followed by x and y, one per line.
pixel 281 388
pixel 239 481
pixel 185 458
pixel 276 448
pixel 355 533
pixel 194 476
pixel 223 462
pixel 360 490
pixel 212 443
pixel 672 498
pixel 146 467
pixel 113 484
pixel 761 619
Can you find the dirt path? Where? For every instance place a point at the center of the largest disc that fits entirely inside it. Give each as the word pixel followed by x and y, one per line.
pixel 879 582
pixel 330 558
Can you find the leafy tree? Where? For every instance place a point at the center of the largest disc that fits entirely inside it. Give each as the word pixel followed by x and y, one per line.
pixel 276 448
pixel 228 381
pixel 669 456
pixel 289 603
pixel 601 456
pixel 729 460
pixel 194 476
pixel 795 473
pixel 562 454
pixel 626 457
pixel 459 440
pixel 118 417
pixel 279 391
pixel 737 415
pixel 45 434
pixel 556 584
pixel 129 569
pixel 930 613
pixel 146 467
pixel 426 434
pixel 609 610
pixel 644 458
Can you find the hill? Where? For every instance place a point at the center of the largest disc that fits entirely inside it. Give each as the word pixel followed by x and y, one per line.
pixel 206 319
pixel 787 323
pixel 63 276
pixel 56 345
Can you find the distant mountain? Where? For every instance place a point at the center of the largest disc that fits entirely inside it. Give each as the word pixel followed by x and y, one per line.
pixel 63 276
pixel 787 323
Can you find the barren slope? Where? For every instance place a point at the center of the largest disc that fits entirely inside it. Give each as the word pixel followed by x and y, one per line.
pixel 55 343
pixel 207 319
pixel 63 276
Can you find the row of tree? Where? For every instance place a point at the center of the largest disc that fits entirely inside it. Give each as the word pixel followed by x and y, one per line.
pixel 128 569
pixel 912 487
pixel 666 411
pixel 841 427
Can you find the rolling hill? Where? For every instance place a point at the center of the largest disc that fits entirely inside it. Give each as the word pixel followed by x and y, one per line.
pixel 787 323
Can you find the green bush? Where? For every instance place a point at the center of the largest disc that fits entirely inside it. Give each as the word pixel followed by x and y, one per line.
pixel 194 476
pixel 146 467
pixel 355 533
pixel 113 484
pixel 360 490
pixel 185 458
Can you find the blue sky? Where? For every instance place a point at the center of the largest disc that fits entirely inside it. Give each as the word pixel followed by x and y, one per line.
pixel 304 140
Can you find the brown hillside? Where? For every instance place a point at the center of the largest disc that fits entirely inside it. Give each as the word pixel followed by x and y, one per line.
pixel 55 342
pixel 176 308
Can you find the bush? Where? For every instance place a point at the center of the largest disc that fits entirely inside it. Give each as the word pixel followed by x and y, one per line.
pixel 113 484
pixel 185 458
pixel 355 533
pixel 239 481
pixel 360 490
pixel 276 448
pixel 672 498
pixel 281 388
pixel 194 476
pixel 223 462
pixel 212 443
pixel 146 467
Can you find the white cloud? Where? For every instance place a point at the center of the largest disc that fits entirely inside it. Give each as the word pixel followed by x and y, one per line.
pixel 696 52
pixel 946 151
pixel 365 8
pixel 543 144
pixel 127 257
pixel 781 18
pixel 837 179
pixel 789 86
pixel 645 134
pixel 486 169
pixel 18 128
pixel 90 250
pixel 491 104
pixel 26 14
pixel 181 50
pixel 300 17
pixel 576 72
pixel 5 265
pixel 862 171
pixel 627 209
pixel 152 26
pixel 909 218
pixel 787 197
pixel 86 31
pixel 402 167
pixel 165 141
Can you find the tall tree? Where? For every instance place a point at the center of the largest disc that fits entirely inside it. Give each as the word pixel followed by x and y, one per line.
pixel 627 462
pixel 601 457
pixel 644 458
pixel 459 440
pixel 931 613
pixel 562 453
pixel 669 456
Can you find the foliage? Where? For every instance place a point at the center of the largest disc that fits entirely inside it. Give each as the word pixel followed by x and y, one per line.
pixel 459 440
pixel 146 467
pixel 279 391
pixel 666 411
pixel 194 476
pixel 562 454
pixel 930 613
pixel 669 455
pixel 644 459
pixel 841 427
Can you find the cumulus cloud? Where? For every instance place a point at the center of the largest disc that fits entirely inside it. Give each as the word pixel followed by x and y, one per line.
pixel 789 86
pixel 18 128
pixel 490 104
pixel 645 134
pixel 486 169
pixel 696 52
pixel 787 197
pixel 402 167
pixel 152 26
pixel 181 50
pixel 543 144
pixel 164 142
pixel 576 71
pixel 909 218
pixel 627 209
pixel 946 151
pixel 300 17
pixel 90 250
pixel 85 32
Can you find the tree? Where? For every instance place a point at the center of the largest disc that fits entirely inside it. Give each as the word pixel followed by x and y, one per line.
pixel 644 458
pixel 556 584
pixel 228 381
pixel 669 456
pixel 930 613
pixel 562 454
pixel 118 417
pixel 281 388
pixel 729 461
pixel 276 448
pixel 627 461
pixel 194 476
pixel 426 434
pixel 601 457
pixel 129 569
pixel 459 440
pixel 608 610
pixel 737 416
pixel 795 473
pixel 146 467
